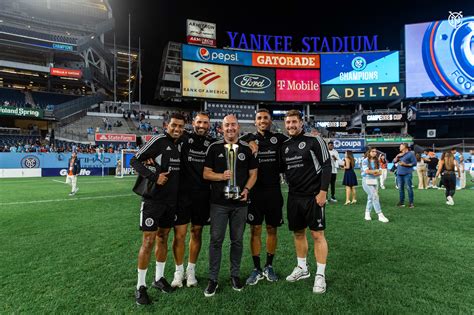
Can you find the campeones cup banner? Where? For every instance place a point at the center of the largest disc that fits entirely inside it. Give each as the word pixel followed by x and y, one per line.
pixel 439 58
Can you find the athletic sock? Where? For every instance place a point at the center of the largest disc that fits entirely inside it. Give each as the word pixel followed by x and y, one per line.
pixel 269 259
pixel 141 278
pixel 160 270
pixel 321 269
pixel 302 263
pixel 256 262
pixel 180 268
pixel 191 267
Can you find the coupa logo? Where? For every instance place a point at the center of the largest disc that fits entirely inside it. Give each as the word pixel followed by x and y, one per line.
pixel 203 54
pixel 359 63
pixel 30 161
pixel 205 75
pixel 252 81
pixel 347 144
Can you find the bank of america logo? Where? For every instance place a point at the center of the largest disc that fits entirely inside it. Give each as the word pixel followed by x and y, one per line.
pixel 205 75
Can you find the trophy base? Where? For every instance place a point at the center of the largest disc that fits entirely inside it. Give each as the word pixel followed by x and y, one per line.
pixel 232 193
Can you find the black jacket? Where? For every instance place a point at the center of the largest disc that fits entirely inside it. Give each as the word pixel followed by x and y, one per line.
pixel 307 164
pixel 76 167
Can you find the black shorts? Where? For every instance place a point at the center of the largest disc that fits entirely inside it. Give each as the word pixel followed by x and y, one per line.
pixel 193 207
pixel 305 212
pixel 156 214
pixel 265 205
pixel 431 173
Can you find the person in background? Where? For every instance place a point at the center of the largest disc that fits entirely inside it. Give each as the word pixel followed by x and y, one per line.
pixel 461 181
pixel 383 169
pixel 421 171
pixel 448 168
pixel 432 167
pixel 370 172
pixel 406 161
pixel 74 168
pixel 336 162
pixel 350 178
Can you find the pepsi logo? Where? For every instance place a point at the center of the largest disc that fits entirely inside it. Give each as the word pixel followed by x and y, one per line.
pixel 204 54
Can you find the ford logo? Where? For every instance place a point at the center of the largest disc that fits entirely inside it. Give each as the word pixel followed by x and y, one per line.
pixel 252 81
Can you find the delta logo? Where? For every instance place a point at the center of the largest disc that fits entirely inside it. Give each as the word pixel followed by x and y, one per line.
pixel 205 75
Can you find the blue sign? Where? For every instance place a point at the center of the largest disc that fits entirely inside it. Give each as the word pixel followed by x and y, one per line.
pixel 349 144
pixel 54 160
pixel 251 83
pixel 360 68
pixel 62 47
pixel 84 172
pixel 221 56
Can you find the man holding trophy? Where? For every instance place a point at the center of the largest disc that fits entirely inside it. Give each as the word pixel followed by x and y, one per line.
pixel 231 168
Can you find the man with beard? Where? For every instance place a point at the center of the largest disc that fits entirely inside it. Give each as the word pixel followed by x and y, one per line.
pixel 307 165
pixel 193 203
pixel 266 200
pixel 157 214
pixel 224 208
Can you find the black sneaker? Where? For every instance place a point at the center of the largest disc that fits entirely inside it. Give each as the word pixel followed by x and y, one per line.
pixel 162 285
pixel 211 288
pixel 141 296
pixel 400 205
pixel 236 284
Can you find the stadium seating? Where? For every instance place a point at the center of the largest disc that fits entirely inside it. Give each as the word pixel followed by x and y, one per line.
pixel 12 96
pixel 43 99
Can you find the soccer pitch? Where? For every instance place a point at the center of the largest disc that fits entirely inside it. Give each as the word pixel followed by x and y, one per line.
pixel 61 254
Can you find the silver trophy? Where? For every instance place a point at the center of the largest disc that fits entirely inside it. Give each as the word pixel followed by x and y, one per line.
pixel 231 191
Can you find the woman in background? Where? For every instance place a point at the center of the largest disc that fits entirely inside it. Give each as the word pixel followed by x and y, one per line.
pixel 370 173
pixel 421 171
pixel 350 178
pixel 383 169
pixel 448 168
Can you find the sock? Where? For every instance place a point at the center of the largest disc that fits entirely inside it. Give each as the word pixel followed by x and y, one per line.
pixel 180 268
pixel 256 262
pixel 191 267
pixel 302 263
pixel 160 270
pixel 321 269
pixel 269 259
pixel 141 278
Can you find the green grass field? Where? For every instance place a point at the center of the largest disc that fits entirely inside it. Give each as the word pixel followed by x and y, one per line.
pixel 61 254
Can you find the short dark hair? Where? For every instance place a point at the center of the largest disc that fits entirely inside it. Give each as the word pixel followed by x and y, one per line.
pixel 454 148
pixel 262 110
pixel 178 116
pixel 330 142
pixel 202 113
pixel 294 112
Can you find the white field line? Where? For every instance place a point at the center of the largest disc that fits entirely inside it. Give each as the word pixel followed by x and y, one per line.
pixel 62 200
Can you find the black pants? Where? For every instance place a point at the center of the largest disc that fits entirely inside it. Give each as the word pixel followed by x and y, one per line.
pixel 449 182
pixel 333 185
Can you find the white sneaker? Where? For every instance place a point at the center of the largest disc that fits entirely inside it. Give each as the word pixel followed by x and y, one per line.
pixel 367 216
pixel 382 218
pixel 191 280
pixel 319 286
pixel 383 187
pixel 178 279
pixel 450 201
pixel 77 189
pixel 298 274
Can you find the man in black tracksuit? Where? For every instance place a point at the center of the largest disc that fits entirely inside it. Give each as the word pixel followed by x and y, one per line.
pixel 307 165
pixel 193 203
pixel 157 215
pixel 266 200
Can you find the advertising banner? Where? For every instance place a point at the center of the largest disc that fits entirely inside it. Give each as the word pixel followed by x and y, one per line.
pixel 397 117
pixel 199 32
pixel 54 160
pixel 84 171
pixel 362 92
pixel 360 68
pixel 205 80
pixel 285 61
pixel 21 112
pixel 349 144
pixel 439 58
pixel 297 85
pixel 332 124
pixel 250 83
pixel 115 137
pixel 70 73
pixel 387 140
pixel 242 111
pixel 211 55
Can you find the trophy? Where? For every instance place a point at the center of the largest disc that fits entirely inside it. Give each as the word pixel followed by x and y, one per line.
pixel 231 191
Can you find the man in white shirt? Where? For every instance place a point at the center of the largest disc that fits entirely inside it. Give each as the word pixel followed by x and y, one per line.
pixel 336 162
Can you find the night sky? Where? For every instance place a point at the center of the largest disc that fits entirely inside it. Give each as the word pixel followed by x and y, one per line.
pixel 159 21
